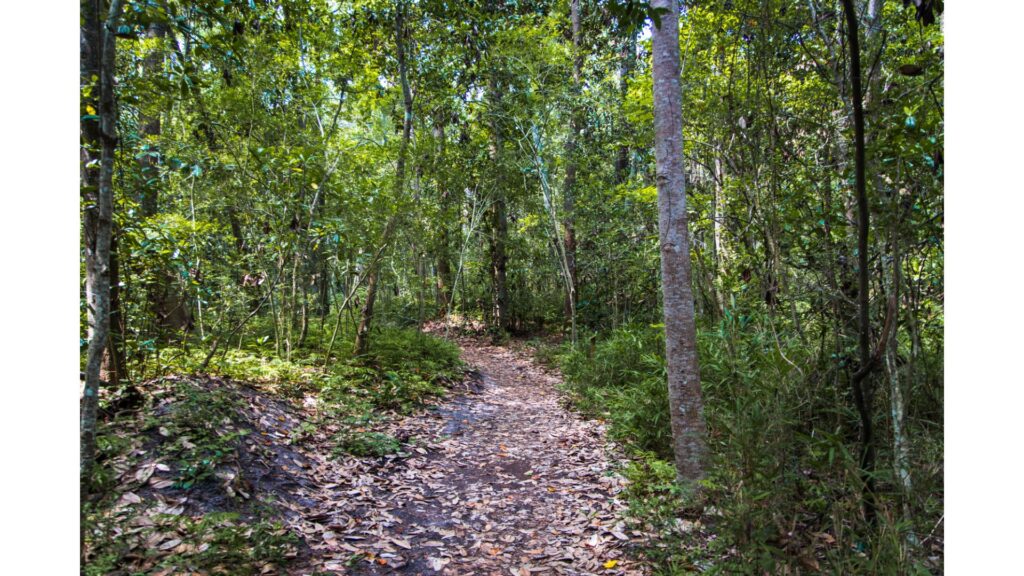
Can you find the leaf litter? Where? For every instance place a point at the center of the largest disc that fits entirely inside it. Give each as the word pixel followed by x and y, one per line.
pixel 498 479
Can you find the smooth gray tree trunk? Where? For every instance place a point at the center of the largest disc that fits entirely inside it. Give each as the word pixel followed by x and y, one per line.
pixel 684 392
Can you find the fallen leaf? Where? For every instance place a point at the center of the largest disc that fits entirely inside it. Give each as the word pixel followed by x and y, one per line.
pixel 144 473
pixel 131 498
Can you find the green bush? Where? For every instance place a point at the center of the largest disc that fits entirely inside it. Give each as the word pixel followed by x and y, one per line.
pixel 782 450
pixel 622 379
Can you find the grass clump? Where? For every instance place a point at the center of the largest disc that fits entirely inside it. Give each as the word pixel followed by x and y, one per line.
pixel 363 443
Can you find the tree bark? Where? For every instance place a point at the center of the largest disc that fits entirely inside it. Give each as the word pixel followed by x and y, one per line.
pixel 113 369
pixel 362 343
pixel 684 391
pixel 97 71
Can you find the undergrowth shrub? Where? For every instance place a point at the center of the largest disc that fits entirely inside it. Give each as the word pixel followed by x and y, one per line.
pixel 783 477
pixel 622 380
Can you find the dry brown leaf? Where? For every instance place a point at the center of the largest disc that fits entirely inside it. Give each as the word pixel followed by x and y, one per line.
pixel 173 543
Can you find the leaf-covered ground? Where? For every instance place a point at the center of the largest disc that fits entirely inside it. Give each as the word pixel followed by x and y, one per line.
pixel 498 479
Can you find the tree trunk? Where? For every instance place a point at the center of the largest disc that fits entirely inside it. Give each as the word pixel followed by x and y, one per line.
pixel 569 188
pixel 499 222
pixel 626 65
pixel 685 401
pixel 444 266
pixel 717 249
pixel 362 344
pixel 113 369
pixel 863 391
pixel 97 61
pixel 149 129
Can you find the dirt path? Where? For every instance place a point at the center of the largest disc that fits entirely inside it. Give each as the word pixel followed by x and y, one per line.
pixel 499 480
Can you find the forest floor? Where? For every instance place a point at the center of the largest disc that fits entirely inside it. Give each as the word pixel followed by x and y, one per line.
pixel 497 478
pixel 502 480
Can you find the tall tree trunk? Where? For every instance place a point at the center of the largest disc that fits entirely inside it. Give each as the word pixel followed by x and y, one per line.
pixel 167 302
pixel 627 63
pixel 149 128
pixel 362 343
pixel 717 249
pixel 97 61
pixel 863 392
pixel 499 220
pixel 444 259
pixel 685 400
pixel 569 188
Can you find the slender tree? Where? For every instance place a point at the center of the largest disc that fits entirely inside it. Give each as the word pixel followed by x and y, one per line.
pixel 685 401
pixel 863 392
pixel 569 191
pixel 499 216
pixel 362 342
pixel 99 23
pixel 627 63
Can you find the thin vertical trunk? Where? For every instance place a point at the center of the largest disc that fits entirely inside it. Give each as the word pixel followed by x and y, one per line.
pixel 167 302
pixel 362 342
pixel 499 221
pixel 863 392
pixel 684 391
pixel 97 61
pixel 149 129
pixel 716 227
pixel 627 62
pixel 901 448
pixel 569 191
pixel 113 369
pixel 444 266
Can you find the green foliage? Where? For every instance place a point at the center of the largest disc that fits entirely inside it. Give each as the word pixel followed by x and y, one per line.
pixel 246 216
pixel 409 368
pixel 781 472
pixel 212 543
pixel 363 443
pixel 201 430
pixel 622 380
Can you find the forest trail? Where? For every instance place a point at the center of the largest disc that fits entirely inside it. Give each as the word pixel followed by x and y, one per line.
pixel 499 480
